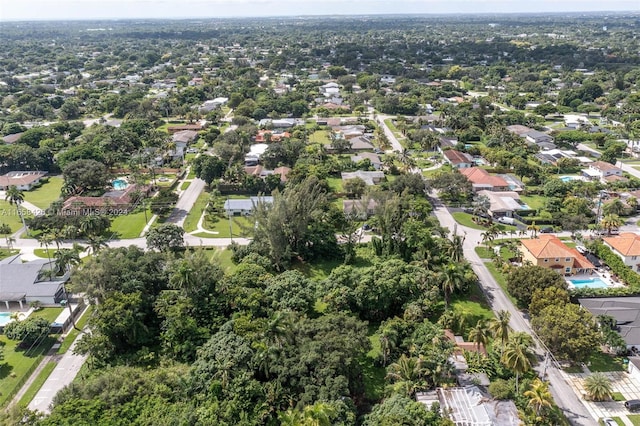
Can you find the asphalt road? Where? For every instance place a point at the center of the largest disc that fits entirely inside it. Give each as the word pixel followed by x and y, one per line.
pixel 562 392
pixel 395 144
pixel 186 202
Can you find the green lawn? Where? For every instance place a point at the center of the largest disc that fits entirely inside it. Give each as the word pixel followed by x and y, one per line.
pixel 17 364
pixel 465 220
pixel 618 396
pixel 237 223
pixel 601 362
pixel 185 185
pixel 4 253
pixel 634 418
pixel 484 252
pixel 335 184
pixel 50 314
pixel 49 192
pixel 536 202
pixel 44 253
pixel 320 136
pixel 9 215
pixel 222 256
pixel 500 279
pixel 130 225
pixel 373 374
pixel 191 221
pixel 472 307
pixel 37 383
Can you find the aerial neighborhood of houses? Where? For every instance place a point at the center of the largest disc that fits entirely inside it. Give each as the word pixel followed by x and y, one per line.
pixel 209 198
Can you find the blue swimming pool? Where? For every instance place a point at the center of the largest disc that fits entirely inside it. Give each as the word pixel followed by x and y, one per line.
pixel 119 184
pixel 569 178
pixel 5 317
pixel 590 283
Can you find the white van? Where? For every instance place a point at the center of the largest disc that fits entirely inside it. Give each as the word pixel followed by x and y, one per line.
pixel 506 220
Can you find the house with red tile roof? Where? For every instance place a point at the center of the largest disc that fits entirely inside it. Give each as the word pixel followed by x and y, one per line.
pixel 627 247
pixel 481 180
pixel 23 180
pixel 550 252
pixel 113 202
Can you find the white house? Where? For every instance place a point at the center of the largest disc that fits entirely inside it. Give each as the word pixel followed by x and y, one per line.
pixel 23 180
pixel 600 170
pixel 627 247
pixel 245 206
pixel 459 160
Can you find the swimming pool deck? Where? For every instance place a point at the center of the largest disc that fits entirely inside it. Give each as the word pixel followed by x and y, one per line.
pixel 604 277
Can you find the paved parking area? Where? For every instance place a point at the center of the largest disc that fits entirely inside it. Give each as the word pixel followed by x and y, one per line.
pixel 620 382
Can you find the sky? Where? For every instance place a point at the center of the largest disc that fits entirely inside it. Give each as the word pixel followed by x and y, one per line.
pixel 16 10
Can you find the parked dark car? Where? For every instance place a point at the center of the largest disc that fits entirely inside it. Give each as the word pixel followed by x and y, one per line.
pixel 632 405
pixel 546 230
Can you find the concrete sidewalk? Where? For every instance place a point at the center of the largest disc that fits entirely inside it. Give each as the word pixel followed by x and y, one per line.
pixel 64 373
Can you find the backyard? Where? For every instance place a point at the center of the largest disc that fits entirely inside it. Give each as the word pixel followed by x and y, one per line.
pixel 130 225
pixel 18 362
pixel 46 194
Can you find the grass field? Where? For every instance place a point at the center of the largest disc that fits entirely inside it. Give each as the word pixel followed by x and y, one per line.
pixel 237 223
pixel 49 192
pixel 45 253
pixel 601 362
pixel 634 418
pixel 465 220
pixel 184 186
pixel 335 184
pixel 4 253
pixel 130 225
pixel 191 221
pixel 320 136
pixel 9 215
pixel 500 279
pixel 17 364
pixel 50 314
pixel 223 257
pixel 37 383
pixel 535 202
pixel 484 252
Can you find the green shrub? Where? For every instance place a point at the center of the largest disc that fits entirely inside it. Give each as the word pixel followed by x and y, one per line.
pixel 501 389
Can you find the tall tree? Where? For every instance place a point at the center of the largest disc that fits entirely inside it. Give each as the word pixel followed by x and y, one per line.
pixel 479 334
pixel 517 355
pixel 16 198
pixel 499 326
pixel 539 396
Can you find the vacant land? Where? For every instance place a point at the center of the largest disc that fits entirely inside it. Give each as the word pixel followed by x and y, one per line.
pixel 49 192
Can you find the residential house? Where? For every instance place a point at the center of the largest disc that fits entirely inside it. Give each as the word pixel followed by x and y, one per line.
pixel 271 136
pixel 373 158
pixel 446 143
pixel 481 180
pixel 193 126
pixel 283 123
pixel 28 282
pixel 542 140
pixel 504 203
pixel 459 160
pixel 626 312
pixel 626 246
pixel 116 202
pixel 361 143
pixel 184 137
pixel 370 178
pixel 212 104
pixel 601 171
pixel 362 208
pixel 550 252
pixel 552 156
pixel 245 206
pixel 23 180
pixel 470 405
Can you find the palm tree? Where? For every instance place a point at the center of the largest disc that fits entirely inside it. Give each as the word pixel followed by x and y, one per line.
pixel 318 414
pixel 633 203
pixel 388 341
pixel 452 278
pixel 455 246
pixel 408 373
pixel 479 334
pixel 6 230
pixel 539 396
pixel 95 243
pixel 611 222
pixel 16 197
pixel 65 259
pixel 517 355
pixel 499 326
pixel 45 239
pixel 598 387
pixel 534 229
pixel 615 207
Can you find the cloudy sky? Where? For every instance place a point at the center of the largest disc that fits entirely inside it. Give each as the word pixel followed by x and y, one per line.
pixel 108 9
